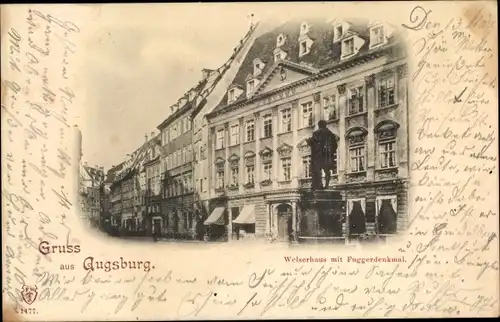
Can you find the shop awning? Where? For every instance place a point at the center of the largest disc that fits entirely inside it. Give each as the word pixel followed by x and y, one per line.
pixel 247 215
pixel 216 217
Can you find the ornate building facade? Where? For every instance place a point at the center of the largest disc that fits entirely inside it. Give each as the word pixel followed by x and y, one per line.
pixel 350 74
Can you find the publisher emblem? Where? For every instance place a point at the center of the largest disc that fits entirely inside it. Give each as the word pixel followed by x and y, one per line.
pixel 29 294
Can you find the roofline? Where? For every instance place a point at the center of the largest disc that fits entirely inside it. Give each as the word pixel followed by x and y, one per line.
pixel 325 72
pixel 175 115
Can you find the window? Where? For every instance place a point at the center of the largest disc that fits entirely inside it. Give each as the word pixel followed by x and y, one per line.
pixel 235 134
pixel 235 176
pixel 286 120
pixel 231 96
pixel 268 126
pixel 348 47
pixel 286 165
pixel 277 56
pixel 357 159
pixel 250 87
pixel 356 100
pixel 386 92
pixel 219 144
pixel 220 180
pixel 201 184
pixel 387 214
pixel 307 114
pixel 256 69
pixel 338 32
pixel 280 41
pixel 268 169
pixel 250 173
pixel 189 153
pixel 303 48
pixel 174 130
pixel 387 154
pixel 377 36
pixel 306 167
pixel 250 129
pixel 179 157
pixel 330 108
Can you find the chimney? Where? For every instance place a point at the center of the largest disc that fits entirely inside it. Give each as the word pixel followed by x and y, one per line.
pixel 205 73
pixel 152 134
pixel 146 137
pixel 85 163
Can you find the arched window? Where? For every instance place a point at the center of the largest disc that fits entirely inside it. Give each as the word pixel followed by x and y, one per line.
pixel 356 139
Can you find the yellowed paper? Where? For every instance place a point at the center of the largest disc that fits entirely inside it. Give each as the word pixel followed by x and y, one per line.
pixel 135 137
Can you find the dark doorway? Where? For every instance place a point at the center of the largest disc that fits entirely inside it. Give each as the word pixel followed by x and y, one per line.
pixel 284 222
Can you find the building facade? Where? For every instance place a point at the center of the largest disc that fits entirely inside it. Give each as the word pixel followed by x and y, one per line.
pixel 351 74
pixel 182 149
pixel 91 179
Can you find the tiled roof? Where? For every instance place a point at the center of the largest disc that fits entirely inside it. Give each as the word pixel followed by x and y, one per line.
pixel 94 174
pixel 324 53
pixel 137 159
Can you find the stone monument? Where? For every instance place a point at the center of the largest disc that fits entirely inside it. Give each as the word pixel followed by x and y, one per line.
pixel 323 217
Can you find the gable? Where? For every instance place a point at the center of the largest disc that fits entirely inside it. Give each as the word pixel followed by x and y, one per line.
pixel 279 77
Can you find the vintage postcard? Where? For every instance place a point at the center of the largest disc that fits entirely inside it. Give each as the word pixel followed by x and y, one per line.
pixel 249 161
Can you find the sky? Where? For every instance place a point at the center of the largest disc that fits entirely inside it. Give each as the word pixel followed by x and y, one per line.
pixel 138 61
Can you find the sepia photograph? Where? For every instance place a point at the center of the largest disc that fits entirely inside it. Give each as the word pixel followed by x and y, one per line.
pixel 214 161
pixel 300 136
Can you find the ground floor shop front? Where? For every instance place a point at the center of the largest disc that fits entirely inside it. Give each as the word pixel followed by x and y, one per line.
pixel 348 212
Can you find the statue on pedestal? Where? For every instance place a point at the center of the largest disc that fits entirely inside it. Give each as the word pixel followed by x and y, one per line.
pixel 323 146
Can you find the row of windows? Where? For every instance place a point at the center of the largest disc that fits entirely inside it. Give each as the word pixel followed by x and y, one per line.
pixel 355 105
pixel 357 163
pixel 179 186
pixel 175 130
pixel 178 158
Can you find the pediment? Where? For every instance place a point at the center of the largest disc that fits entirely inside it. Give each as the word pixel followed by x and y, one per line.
pixel 249 154
pixel 284 148
pixel 235 86
pixel 266 151
pixel 219 160
pixel 303 143
pixel 233 158
pixel 282 74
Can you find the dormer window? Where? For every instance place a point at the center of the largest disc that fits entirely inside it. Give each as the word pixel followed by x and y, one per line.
pixel 250 87
pixel 232 96
pixel 348 47
pixel 304 28
pixel 338 32
pixel 279 54
pixel 280 40
pixel 377 36
pixel 258 66
pixel 233 93
pixel 303 47
pixel 305 44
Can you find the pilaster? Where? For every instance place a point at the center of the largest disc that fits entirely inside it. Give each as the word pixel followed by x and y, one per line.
pixel 296 164
pixel 241 166
pixel 275 168
pixel 257 166
pixel 370 108
pixel 342 153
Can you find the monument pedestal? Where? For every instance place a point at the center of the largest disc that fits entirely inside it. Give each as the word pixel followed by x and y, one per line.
pixel 323 213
